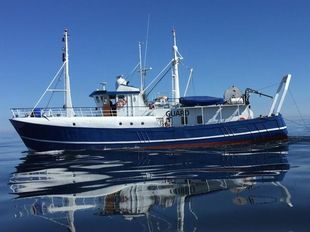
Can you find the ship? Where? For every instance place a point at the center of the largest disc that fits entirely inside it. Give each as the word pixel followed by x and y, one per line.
pixel 126 118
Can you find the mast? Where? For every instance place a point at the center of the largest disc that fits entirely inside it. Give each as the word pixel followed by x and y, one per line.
pixel 67 93
pixel 175 71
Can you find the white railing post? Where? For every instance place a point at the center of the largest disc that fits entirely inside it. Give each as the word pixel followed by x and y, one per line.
pixel 221 118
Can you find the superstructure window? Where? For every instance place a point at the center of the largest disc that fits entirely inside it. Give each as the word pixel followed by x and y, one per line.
pixel 97 99
pixel 184 120
pixel 199 119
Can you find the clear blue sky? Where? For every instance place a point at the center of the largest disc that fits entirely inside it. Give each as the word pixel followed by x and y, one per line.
pixel 248 43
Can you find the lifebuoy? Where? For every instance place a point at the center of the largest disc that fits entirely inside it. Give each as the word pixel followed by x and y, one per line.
pixel 151 106
pixel 121 103
pixel 167 122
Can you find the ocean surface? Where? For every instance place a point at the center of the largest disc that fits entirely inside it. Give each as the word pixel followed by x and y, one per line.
pixel 262 187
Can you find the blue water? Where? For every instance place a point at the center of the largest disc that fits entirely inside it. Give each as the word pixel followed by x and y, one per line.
pixel 263 187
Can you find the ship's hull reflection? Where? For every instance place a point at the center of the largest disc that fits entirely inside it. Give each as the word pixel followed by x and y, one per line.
pixel 130 183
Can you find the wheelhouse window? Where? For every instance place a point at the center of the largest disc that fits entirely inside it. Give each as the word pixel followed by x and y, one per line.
pixel 121 97
pixel 97 99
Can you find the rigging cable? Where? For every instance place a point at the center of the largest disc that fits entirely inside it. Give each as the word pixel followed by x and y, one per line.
pixel 56 75
pixel 298 111
pixel 269 86
pixel 52 94
pixel 133 71
pixel 165 73
pixel 166 67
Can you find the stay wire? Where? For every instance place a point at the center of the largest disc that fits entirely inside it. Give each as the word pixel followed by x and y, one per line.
pixel 297 108
pixel 159 81
pixel 294 122
pixel 269 86
pixel 52 94
pixel 132 72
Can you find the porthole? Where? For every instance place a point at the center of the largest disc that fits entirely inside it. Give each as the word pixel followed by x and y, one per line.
pixel 131 124
pixel 142 123
pixel 120 124
pixel 73 124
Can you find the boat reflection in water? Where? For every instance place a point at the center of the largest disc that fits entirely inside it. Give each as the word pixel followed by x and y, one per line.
pixel 137 185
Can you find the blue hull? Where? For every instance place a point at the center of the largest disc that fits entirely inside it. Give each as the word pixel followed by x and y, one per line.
pixel 44 137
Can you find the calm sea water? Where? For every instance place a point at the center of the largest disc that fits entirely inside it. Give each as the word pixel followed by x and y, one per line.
pixel 262 187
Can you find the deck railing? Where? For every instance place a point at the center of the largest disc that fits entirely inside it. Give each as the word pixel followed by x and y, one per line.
pixel 79 112
pixel 219 114
pixel 162 118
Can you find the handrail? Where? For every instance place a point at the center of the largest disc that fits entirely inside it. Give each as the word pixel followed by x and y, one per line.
pixel 144 111
pixel 78 112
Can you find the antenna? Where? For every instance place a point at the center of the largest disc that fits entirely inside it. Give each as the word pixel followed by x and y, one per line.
pixel 147 38
pixel 142 67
